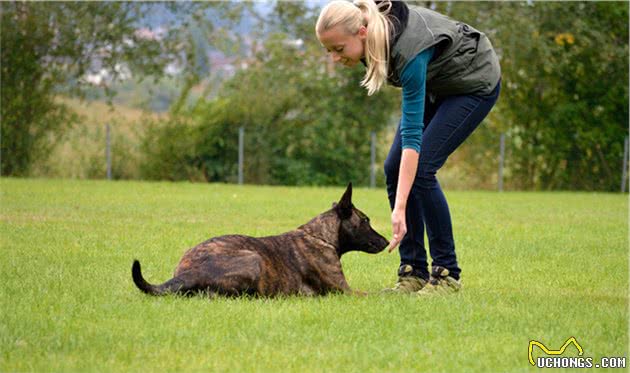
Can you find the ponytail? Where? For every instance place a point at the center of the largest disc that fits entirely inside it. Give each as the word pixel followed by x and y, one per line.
pixel 376 44
pixel 352 17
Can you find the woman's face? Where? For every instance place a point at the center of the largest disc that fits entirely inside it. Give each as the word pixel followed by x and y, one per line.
pixel 345 48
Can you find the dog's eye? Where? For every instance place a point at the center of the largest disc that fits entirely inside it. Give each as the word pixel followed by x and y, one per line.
pixel 365 220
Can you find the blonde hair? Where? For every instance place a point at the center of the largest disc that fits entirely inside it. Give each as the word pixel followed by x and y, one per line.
pixel 354 15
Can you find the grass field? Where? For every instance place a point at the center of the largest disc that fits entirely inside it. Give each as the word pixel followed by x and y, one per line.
pixel 536 266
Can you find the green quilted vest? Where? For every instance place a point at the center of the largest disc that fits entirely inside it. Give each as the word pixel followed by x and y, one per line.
pixel 464 61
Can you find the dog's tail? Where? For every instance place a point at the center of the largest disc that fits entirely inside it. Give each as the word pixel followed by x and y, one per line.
pixel 174 285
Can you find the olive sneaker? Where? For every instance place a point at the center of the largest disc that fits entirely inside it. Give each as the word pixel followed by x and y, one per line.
pixel 440 283
pixel 407 283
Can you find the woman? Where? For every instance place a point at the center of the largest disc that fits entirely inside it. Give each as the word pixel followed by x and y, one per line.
pixel 450 79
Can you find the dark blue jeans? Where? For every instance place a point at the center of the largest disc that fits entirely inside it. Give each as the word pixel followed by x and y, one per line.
pixel 448 122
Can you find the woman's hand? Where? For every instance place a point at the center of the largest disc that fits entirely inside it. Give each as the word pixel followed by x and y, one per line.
pixel 408 167
pixel 399 227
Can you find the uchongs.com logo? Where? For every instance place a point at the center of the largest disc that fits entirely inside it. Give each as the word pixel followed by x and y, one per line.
pixel 556 360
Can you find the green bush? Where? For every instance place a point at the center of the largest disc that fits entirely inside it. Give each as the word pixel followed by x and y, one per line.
pixel 168 150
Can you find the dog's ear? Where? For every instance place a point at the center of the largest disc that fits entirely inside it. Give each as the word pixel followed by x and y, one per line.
pixel 344 208
pixel 347 195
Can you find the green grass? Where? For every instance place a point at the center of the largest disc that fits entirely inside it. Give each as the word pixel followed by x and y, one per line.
pixel 543 266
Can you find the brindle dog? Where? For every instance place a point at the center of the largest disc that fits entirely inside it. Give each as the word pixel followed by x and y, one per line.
pixel 304 261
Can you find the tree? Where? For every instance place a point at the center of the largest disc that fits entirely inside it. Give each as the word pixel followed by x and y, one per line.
pixel 564 99
pixel 47 48
pixel 307 121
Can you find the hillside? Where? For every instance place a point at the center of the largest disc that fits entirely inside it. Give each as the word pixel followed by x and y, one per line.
pixel 80 152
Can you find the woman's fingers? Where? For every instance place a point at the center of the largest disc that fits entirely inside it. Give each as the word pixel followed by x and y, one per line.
pixel 399 229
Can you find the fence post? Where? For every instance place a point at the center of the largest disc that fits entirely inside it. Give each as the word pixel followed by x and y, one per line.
pixel 624 171
pixel 501 160
pixel 108 151
pixel 373 160
pixel 241 138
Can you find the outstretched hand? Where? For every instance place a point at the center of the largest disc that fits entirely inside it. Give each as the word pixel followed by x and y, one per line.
pixel 399 228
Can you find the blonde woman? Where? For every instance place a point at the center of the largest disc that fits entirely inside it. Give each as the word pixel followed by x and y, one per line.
pixel 450 79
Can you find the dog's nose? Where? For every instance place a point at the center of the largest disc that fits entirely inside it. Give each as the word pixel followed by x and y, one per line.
pixel 382 243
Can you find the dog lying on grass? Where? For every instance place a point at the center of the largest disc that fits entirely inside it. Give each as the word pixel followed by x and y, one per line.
pixel 304 261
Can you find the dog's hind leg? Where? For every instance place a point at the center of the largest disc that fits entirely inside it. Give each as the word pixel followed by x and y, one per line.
pixel 233 275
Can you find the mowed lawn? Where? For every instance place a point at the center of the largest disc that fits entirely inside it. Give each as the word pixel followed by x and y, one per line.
pixel 536 266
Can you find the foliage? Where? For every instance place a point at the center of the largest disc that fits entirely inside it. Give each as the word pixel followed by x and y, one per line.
pixel 81 150
pixel 563 107
pixel 572 114
pixel 564 103
pixel 565 116
pixel 305 121
pixel 168 148
pixel 302 126
pixel 47 48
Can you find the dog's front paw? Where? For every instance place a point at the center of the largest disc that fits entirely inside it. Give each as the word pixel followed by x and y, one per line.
pixel 359 293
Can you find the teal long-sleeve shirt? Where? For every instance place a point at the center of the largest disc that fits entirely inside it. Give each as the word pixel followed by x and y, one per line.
pixel 413 79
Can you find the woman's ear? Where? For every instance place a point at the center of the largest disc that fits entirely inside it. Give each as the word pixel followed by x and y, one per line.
pixel 362 33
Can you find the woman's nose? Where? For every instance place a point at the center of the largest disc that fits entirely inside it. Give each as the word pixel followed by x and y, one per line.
pixel 335 57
